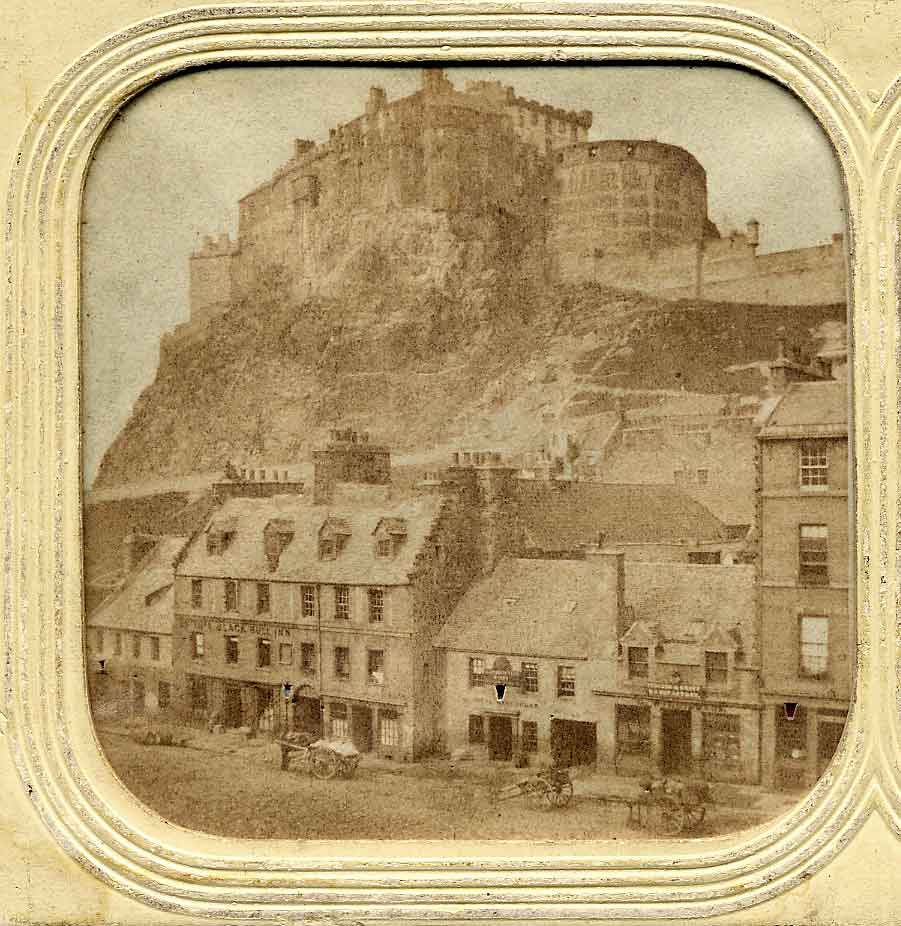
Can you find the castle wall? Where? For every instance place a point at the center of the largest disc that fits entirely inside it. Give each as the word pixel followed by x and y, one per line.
pixel 209 278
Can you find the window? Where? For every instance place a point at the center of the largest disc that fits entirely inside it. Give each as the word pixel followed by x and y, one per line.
pixel 338 718
pixel 476 729
pixel 308 600
pixel 231 595
pixel 264 652
pixel 721 735
pixel 155 649
pixel 389 728
pixel 716 668
pixel 308 657
pixel 376 605
pixel 529 676
pixel 814 464
pixel 196 593
pixel 117 644
pixel 326 549
pixel 529 736
pixel 476 671
pixel 813 554
pixel 342 602
pixel 342 661
pixel 638 662
pixel 196 645
pixel 98 641
pixel 375 666
pixel 702 477
pixel 814 661
pixel 163 696
pixel 262 597
pixel 231 649
pixel 383 548
pixel 136 646
pixel 633 730
pixel 566 682
pixel 285 654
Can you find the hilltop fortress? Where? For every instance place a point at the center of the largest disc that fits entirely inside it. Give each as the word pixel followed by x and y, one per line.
pixel 448 184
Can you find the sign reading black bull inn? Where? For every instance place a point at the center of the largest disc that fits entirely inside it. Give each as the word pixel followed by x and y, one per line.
pixel 220 625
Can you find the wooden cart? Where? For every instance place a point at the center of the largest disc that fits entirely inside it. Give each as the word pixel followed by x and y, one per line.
pixel 668 806
pixel 326 758
pixel 546 789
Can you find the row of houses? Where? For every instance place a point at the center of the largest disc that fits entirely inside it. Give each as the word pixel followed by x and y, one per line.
pixel 622 625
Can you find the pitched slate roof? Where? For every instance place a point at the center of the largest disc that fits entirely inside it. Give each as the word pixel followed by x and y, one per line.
pixel 244 557
pixel 810 409
pixel 685 601
pixel 563 516
pixel 144 602
pixel 530 607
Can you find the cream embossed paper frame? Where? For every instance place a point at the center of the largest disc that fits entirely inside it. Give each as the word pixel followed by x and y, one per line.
pixel 48 721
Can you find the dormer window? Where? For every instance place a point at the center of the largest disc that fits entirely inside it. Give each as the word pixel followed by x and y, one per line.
pixel 277 536
pixel 333 537
pixel 219 535
pixel 390 535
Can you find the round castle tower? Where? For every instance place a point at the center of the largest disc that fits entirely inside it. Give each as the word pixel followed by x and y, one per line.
pixel 619 200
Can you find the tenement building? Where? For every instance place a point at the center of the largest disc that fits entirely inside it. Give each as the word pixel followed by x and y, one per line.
pixel 685 694
pixel 129 635
pixel 544 630
pixel 804 565
pixel 637 667
pixel 320 612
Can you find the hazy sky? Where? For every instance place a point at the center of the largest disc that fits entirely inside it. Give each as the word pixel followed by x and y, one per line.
pixel 173 165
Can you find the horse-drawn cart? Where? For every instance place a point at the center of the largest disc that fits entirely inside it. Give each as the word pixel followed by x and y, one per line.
pixel 326 758
pixel 666 805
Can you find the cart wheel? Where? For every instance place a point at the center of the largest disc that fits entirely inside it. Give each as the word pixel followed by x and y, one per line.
pixel 669 818
pixel 541 794
pixel 562 795
pixel 695 816
pixel 323 765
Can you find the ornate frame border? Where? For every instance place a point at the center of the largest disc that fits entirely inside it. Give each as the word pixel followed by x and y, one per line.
pixel 47 719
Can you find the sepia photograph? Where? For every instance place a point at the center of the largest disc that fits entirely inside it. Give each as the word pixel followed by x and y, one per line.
pixel 466 451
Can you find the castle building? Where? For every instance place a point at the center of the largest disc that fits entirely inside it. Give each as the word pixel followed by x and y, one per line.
pixel 484 179
pixel 319 612
pixel 804 563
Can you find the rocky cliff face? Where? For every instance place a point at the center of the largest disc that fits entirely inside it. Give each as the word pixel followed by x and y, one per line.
pixel 427 362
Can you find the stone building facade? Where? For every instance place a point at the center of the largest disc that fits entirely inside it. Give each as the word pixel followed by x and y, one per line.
pixel 638 668
pixel 481 179
pixel 129 635
pixel 805 580
pixel 319 612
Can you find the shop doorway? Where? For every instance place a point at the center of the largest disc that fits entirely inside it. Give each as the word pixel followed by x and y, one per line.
pixel 500 738
pixel 573 742
pixel 361 727
pixel 676 746
pixel 308 716
pixel 829 734
pixel 231 706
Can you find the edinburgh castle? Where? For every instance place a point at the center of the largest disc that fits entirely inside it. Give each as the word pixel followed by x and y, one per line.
pixel 480 181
